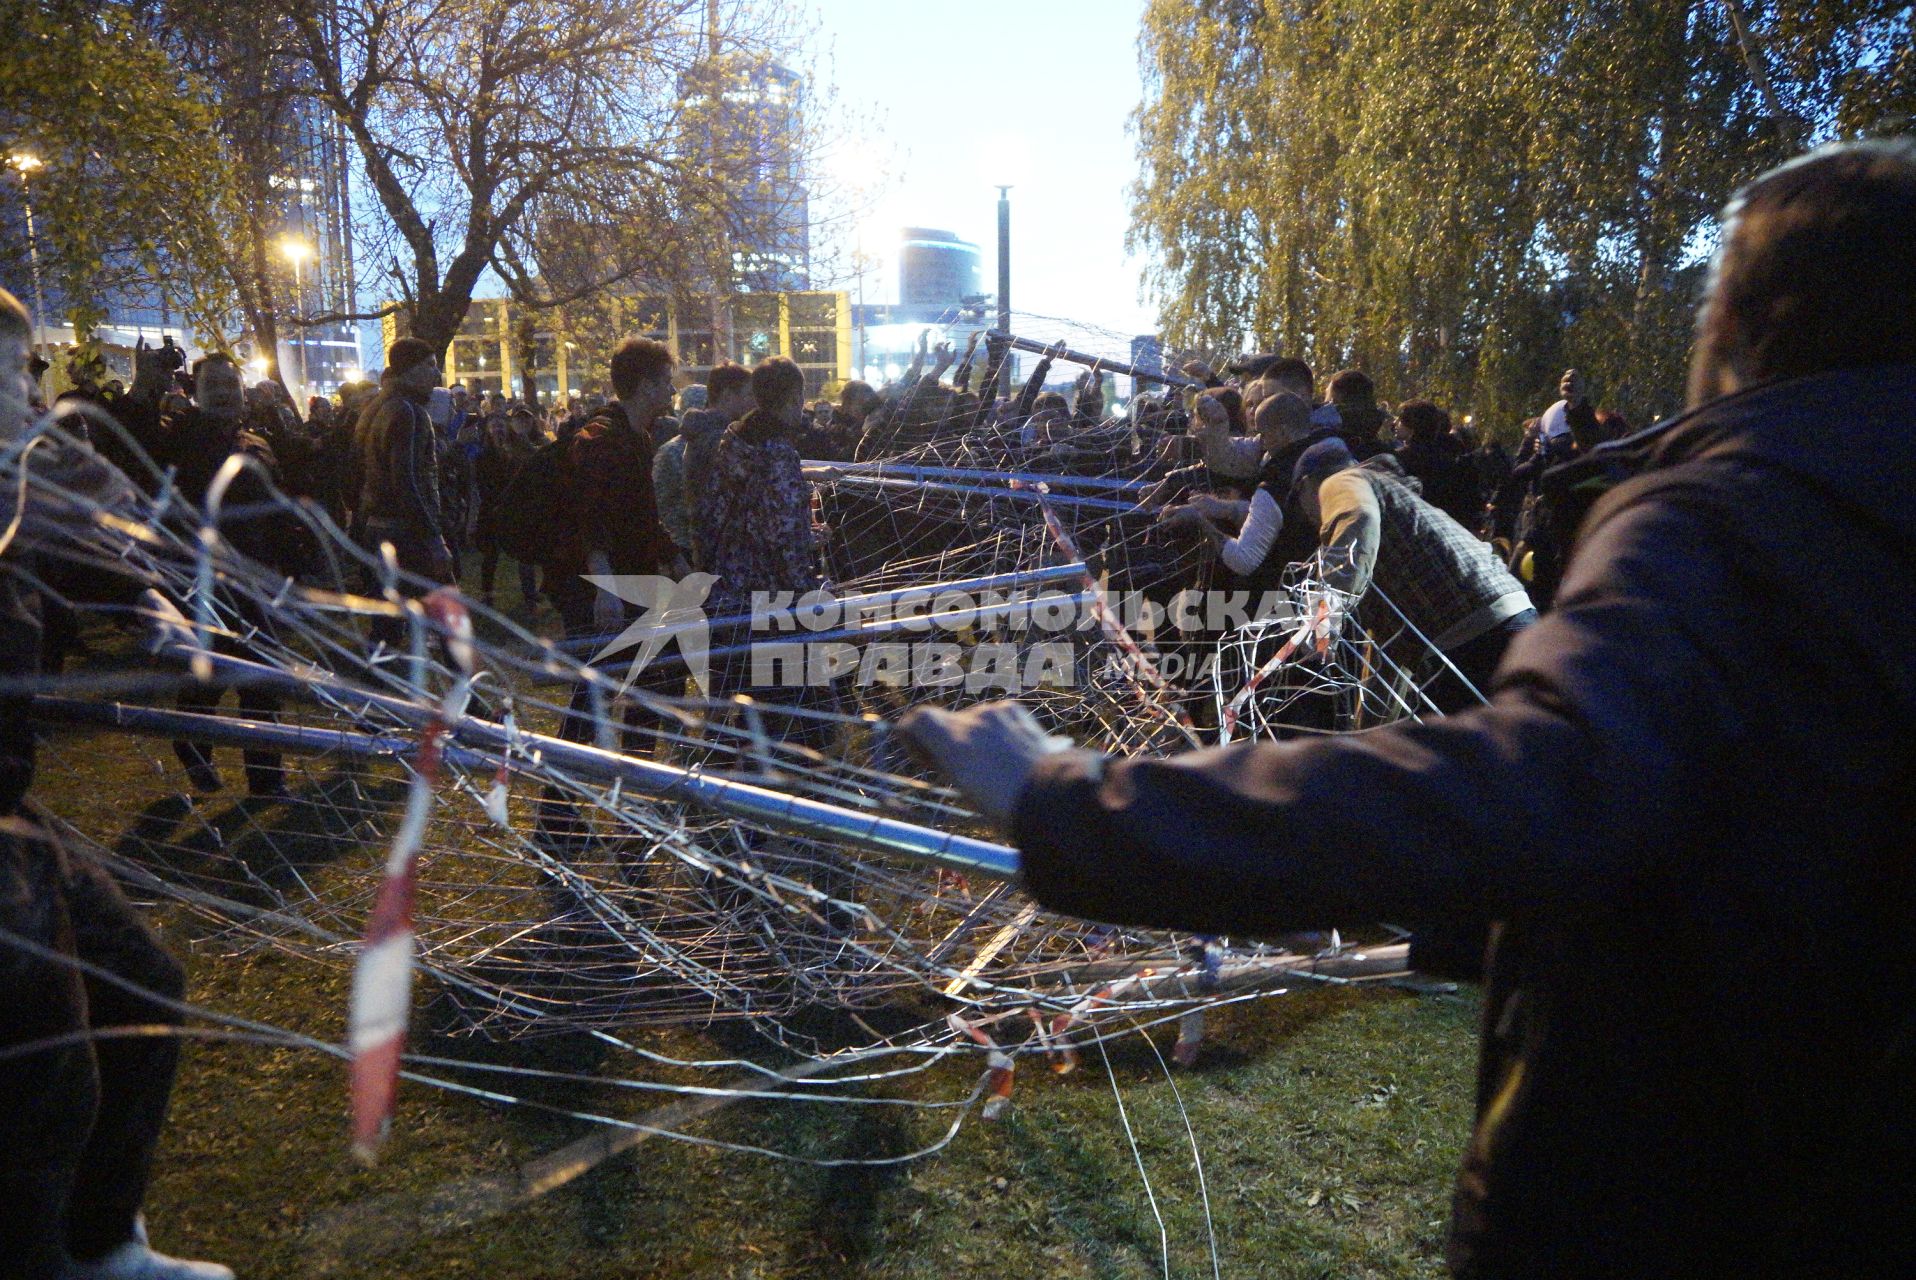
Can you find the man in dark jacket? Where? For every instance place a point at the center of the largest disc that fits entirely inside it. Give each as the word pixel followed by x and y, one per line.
pixel 608 525
pixel 398 455
pixel 505 449
pixel 1437 460
pixel 610 521
pixel 199 443
pixel 1353 408
pixel 81 1107
pixel 1692 793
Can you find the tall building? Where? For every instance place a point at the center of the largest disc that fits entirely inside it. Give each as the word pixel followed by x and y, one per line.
pixel 1147 353
pixel 749 118
pixel 936 269
pixel 315 254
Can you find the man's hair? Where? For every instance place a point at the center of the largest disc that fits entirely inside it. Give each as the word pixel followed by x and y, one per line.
pixel 1050 400
pixel 1423 420
pixel 1816 272
pixel 14 320
pixel 1353 386
pixel 726 378
pixel 775 381
pixel 405 354
pixel 212 358
pixel 1287 411
pixel 639 360
pixel 1233 403
pixel 857 392
pixel 1290 369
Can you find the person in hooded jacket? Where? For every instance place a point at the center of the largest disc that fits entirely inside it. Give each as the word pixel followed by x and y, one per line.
pixel 1439 461
pixel 1691 795
pixel 683 463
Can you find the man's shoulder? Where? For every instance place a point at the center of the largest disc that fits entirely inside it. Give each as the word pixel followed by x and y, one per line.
pixel 1351 480
pixel 1718 489
pixel 256 445
pixel 592 437
pixel 393 410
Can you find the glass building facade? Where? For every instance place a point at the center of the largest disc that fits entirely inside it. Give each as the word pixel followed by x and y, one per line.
pixel 566 350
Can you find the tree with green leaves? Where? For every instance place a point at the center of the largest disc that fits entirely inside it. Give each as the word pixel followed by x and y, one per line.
pixel 133 187
pixel 562 147
pixel 1463 197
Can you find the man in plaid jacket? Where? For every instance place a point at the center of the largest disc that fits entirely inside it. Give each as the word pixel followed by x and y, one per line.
pixel 1409 566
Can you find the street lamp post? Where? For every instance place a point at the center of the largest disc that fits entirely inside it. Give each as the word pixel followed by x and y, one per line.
pixel 858 257
pixel 297 252
pixel 26 164
pixel 1004 282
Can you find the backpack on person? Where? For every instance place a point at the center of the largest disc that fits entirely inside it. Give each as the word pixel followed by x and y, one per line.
pixel 527 527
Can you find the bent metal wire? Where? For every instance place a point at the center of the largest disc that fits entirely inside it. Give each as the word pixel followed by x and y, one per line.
pixel 693 860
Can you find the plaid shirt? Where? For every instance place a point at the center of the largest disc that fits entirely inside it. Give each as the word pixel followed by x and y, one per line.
pixel 1442 577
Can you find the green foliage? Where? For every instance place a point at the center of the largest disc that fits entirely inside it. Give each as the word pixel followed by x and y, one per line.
pixel 1465 196
pixel 133 181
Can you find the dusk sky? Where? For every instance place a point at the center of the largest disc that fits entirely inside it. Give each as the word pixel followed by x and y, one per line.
pixel 988 92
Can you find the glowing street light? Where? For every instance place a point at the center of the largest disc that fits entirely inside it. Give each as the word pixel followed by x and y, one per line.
pixel 298 252
pixel 25 163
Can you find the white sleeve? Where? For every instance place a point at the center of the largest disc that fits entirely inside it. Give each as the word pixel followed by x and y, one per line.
pixel 1244 553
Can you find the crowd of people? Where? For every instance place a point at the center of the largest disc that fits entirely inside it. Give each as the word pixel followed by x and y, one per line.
pixel 1655 651
pixel 654 478
pixel 1689 793
pixel 638 481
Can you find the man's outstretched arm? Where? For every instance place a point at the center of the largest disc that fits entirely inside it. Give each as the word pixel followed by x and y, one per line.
pixel 1594 756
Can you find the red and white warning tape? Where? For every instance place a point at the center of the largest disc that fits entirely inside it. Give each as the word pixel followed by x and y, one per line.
pixel 382 980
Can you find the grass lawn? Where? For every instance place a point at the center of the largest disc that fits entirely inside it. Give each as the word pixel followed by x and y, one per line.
pixel 1328 1123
